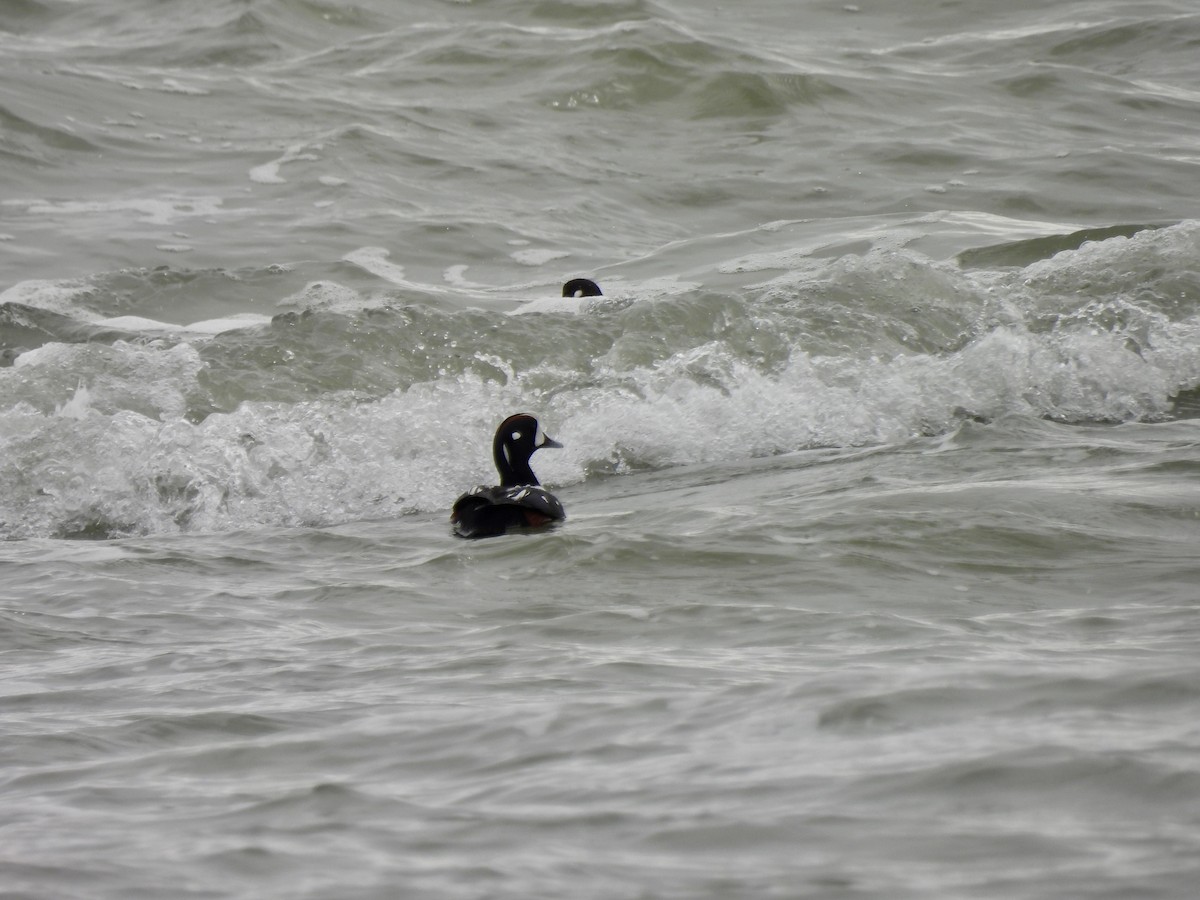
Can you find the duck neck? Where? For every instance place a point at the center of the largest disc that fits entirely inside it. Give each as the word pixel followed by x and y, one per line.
pixel 512 471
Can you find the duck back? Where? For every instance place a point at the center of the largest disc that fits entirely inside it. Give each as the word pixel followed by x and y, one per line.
pixel 490 511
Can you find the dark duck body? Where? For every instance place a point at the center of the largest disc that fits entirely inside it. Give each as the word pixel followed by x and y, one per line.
pixel 518 501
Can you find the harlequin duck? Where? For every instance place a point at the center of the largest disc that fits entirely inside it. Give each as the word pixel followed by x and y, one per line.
pixel 581 287
pixel 518 501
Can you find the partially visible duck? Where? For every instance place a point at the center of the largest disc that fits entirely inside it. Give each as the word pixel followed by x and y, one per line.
pixel 518 501
pixel 581 287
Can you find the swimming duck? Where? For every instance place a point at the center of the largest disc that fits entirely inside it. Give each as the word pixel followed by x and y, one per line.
pixel 581 287
pixel 518 501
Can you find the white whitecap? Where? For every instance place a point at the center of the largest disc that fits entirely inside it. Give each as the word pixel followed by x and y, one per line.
pixel 153 210
pixel 456 275
pixel 173 86
pixel 327 295
pixel 537 257
pixel 205 327
pixel 375 261
pixel 560 305
pixel 268 172
pixel 52 296
pixel 77 407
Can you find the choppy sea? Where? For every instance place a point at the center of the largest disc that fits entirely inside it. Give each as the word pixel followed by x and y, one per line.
pixel 880 574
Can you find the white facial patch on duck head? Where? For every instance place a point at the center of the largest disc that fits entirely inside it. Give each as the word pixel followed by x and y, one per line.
pixel 544 440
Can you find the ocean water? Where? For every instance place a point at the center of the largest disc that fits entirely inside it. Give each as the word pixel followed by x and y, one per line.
pixel 881 465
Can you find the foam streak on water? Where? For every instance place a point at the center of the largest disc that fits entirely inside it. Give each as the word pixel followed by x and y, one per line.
pixel 878 578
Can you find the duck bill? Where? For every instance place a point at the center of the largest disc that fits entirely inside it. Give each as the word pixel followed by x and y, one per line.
pixel 548 441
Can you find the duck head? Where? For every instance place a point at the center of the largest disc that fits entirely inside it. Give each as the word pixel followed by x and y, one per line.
pixel 517 438
pixel 581 287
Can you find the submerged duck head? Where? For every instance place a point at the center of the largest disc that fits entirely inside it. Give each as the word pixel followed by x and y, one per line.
pixel 516 440
pixel 581 287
